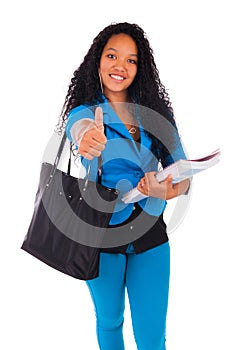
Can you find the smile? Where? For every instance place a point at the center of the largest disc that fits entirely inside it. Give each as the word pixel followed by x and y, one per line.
pixel 117 77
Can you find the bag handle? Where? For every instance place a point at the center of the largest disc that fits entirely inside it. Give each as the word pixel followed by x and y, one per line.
pixel 58 156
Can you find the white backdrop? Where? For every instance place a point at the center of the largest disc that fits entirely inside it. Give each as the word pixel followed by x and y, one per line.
pixel 42 43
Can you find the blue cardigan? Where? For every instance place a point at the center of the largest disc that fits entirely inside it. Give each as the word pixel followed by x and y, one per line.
pixel 124 161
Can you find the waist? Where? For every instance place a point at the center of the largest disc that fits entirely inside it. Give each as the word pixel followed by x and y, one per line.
pixel 135 213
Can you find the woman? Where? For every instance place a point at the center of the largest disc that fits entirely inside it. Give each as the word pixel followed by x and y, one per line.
pixel 111 110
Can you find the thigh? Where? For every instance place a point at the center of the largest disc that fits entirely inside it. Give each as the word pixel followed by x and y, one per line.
pixel 108 290
pixel 147 281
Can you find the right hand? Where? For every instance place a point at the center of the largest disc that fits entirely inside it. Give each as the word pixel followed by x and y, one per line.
pixel 94 140
pixel 150 186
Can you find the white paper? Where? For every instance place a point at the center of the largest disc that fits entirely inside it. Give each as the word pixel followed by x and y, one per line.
pixel 180 170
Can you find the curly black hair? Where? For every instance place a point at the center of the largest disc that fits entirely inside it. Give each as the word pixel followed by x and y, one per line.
pixel 146 88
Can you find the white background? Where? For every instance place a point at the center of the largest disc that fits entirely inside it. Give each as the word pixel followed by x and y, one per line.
pixel 42 43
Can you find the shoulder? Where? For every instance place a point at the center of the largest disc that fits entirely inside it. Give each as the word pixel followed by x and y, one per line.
pixel 81 111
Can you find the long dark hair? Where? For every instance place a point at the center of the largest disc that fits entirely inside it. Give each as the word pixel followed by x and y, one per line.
pixel 146 88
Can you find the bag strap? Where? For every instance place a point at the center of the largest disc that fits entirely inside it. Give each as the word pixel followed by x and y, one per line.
pixel 60 149
pixel 99 171
pixel 58 156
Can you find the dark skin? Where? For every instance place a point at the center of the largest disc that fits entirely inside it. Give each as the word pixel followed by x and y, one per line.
pixel 94 140
pixel 149 186
pixel 118 68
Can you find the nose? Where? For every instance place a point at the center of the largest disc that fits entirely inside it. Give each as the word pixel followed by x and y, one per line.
pixel 120 65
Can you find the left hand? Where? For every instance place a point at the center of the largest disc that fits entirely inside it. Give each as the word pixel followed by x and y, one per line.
pixel 149 186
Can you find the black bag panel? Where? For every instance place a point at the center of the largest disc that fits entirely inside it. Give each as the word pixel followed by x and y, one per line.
pixel 68 223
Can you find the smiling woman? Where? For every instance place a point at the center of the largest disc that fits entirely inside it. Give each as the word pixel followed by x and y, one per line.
pixel 114 108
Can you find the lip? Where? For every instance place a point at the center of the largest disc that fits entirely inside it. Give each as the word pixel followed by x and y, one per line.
pixel 117 77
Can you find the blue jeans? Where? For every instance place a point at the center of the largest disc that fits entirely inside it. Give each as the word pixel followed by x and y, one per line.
pixel 146 277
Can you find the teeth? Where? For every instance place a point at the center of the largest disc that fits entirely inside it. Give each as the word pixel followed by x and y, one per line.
pixel 117 77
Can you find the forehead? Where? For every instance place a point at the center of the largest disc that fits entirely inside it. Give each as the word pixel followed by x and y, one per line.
pixel 122 42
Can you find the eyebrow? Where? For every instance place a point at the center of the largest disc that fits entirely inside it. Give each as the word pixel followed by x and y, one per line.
pixel 112 49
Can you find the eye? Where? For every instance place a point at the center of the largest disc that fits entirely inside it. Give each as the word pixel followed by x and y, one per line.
pixel 110 55
pixel 132 61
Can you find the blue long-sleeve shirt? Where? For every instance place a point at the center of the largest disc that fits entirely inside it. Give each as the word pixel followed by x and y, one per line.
pixel 124 163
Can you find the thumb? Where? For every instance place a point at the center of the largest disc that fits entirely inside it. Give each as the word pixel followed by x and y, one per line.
pixel 99 119
pixel 169 180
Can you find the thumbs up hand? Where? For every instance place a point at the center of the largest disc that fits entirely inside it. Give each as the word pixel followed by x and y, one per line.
pixel 93 141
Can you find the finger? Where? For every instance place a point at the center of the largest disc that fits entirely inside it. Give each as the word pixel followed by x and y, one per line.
pixel 97 149
pixel 87 155
pixel 169 180
pixel 94 152
pixel 141 182
pixel 100 147
pixel 100 137
pixel 99 119
pixel 90 154
pixel 169 177
pixel 150 178
pixel 141 188
pixel 94 137
pixel 92 143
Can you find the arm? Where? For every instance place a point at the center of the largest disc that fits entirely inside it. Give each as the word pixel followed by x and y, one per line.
pixel 149 186
pixel 166 190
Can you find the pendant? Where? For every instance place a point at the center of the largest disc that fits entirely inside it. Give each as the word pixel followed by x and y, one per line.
pixel 132 130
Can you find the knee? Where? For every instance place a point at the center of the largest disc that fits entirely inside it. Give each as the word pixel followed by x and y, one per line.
pixel 110 323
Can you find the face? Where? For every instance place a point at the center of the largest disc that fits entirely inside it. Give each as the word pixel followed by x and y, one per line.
pixel 118 64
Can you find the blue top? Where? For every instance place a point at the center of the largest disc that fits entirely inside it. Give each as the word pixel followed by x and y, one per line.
pixel 124 161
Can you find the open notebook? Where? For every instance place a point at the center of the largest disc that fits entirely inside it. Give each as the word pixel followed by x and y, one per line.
pixel 180 170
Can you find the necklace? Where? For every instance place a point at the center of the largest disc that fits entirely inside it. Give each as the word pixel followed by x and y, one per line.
pixel 132 130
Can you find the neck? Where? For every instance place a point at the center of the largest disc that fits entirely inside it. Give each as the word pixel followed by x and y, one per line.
pixel 121 96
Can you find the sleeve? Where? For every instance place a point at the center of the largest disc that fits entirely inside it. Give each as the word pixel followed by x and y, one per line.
pixel 174 149
pixel 80 119
pixel 175 153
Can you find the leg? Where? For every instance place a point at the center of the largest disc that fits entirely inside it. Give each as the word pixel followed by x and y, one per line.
pixel 147 281
pixel 108 294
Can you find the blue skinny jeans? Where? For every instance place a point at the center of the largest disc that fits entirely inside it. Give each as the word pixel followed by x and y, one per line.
pixel 146 278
